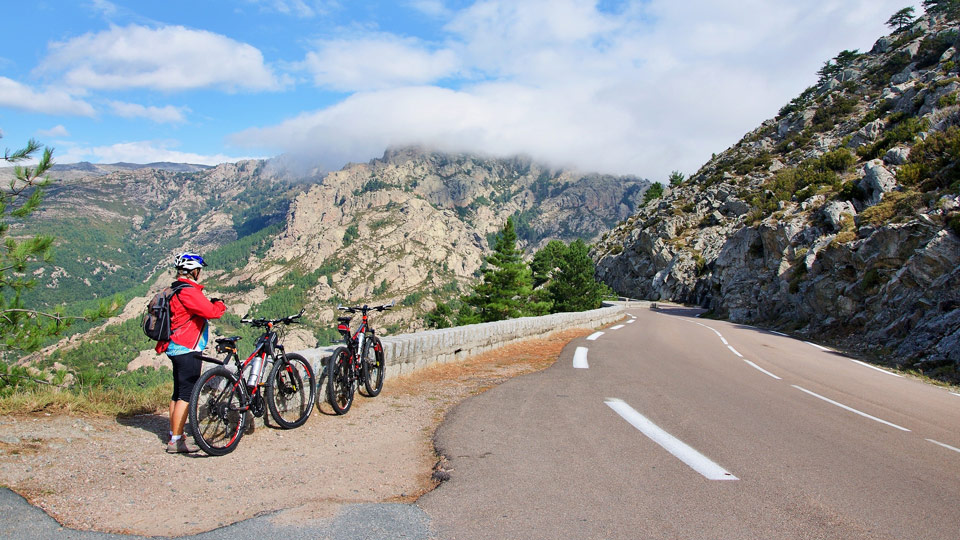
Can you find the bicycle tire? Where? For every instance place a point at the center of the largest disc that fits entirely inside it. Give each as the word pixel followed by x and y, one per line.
pixel 290 391
pixel 339 385
pixel 215 416
pixel 373 367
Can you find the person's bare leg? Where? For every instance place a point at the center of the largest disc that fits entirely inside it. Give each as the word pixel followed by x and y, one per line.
pixel 179 416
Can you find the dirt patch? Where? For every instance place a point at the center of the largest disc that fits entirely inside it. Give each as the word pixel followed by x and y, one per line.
pixel 113 475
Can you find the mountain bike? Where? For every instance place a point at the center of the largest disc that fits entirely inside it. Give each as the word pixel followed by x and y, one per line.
pixel 359 361
pixel 224 395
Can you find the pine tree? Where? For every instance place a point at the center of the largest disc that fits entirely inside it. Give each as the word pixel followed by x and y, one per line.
pixel 506 288
pixel 574 287
pixel 901 19
pixel 655 191
pixel 546 261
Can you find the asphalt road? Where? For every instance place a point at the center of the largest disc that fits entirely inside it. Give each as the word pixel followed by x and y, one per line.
pixel 666 427
pixel 677 427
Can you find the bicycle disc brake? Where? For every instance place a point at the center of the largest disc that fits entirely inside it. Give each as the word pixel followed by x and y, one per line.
pixel 257 406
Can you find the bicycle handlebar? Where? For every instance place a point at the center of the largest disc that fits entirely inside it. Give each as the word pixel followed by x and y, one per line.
pixel 290 319
pixel 365 308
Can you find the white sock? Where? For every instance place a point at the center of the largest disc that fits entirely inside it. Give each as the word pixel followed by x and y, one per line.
pixel 175 438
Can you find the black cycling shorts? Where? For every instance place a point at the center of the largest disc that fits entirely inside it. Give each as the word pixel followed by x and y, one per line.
pixel 186 371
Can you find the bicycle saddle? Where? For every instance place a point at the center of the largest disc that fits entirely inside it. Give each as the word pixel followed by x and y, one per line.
pixel 231 339
pixel 345 320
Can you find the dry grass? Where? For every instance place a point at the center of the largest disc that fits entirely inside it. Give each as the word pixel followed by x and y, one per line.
pixel 94 401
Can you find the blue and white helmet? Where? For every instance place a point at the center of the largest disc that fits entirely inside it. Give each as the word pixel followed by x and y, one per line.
pixel 189 261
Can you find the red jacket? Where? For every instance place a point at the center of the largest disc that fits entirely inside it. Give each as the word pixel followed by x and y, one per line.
pixel 189 311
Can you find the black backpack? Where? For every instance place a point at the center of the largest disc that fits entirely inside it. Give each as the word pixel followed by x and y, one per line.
pixel 156 319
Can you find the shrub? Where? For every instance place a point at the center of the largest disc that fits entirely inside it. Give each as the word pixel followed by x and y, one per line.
pixel 933 47
pixel 953 222
pixel 828 115
pixel 934 163
pixel 903 130
pixel 896 206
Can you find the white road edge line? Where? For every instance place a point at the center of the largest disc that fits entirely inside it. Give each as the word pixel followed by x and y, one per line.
pixel 580 358
pixel 778 333
pixel 851 409
pixel 761 369
pixel 695 460
pixel 617 327
pixel 875 367
pixel 822 348
pixel 594 336
pixel 954 393
pixel 734 351
pixel 947 446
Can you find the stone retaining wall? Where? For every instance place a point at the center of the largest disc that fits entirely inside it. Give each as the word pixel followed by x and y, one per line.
pixel 406 353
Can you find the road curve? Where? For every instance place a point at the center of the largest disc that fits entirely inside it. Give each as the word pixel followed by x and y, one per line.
pixel 669 426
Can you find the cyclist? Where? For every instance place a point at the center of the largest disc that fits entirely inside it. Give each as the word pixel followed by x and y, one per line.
pixel 189 312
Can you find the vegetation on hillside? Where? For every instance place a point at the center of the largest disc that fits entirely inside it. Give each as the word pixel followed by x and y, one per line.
pixel 560 278
pixel 24 328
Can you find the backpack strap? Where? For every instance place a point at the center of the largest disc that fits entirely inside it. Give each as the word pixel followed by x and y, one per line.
pixel 177 286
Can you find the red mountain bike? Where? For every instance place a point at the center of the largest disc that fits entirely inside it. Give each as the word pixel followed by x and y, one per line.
pixel 223 395
pixel 359 361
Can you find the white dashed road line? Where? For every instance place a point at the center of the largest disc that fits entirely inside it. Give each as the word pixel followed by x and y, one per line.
pixel 734 351
pixel 851 409
pixel 947 446
pixel 594 336
pixel 630 321
pixel 695 460
pixel 580 358
pixel 617 327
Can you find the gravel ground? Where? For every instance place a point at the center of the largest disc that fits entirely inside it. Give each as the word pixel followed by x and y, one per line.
pixel 112 474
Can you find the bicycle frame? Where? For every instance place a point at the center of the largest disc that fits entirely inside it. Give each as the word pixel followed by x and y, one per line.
pixel 265 346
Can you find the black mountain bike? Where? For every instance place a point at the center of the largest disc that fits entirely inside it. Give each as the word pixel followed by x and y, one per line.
pixel 359 361
pixel 224 395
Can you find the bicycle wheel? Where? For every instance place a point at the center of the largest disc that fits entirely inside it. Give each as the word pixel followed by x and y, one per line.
pixel 290 391
pixel 373 367
pixel 215 412
pixel 339 385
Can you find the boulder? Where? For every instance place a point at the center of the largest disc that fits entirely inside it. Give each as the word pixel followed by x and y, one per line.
pixel 833 213
pixel 897 155
pixel 876 181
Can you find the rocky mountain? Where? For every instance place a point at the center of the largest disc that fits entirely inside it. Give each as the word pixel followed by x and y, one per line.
pixel 415 225
pixel 412 227
pixel 838 220
pixel 84 169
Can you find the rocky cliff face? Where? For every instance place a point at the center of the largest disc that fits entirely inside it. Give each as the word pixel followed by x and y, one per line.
pixel 836 220
pixel 414 226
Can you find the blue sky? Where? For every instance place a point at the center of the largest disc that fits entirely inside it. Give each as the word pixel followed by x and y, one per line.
pixel 613 86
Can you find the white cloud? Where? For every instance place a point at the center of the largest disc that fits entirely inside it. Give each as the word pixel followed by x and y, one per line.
pixel 161 115
pixel 139 152
pixel 166 58
pixel 52 101
pixel 56 131
pixel 379 61
pixel 655 87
